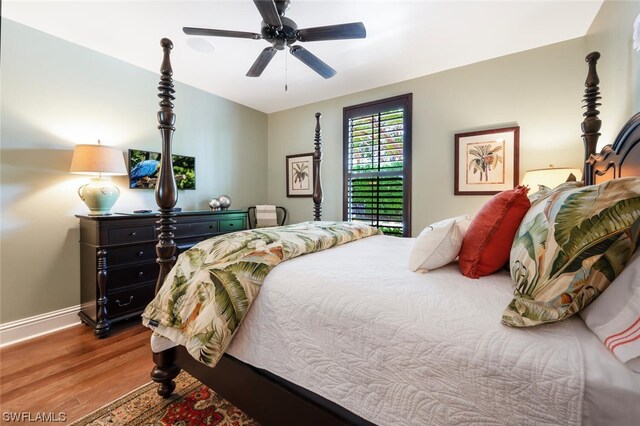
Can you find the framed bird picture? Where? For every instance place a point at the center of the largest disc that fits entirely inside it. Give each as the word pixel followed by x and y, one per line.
pixel 300 175
pixel 144 167
pixel 486 161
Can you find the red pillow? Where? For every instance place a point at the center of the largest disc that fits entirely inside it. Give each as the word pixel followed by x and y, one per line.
pixel 487 243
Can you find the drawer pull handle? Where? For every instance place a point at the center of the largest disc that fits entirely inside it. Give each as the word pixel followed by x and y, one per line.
pixel 231 225
pixel 119 303
pixel 140 273
pixel 212 226
pixel 140 253
pixel 133 234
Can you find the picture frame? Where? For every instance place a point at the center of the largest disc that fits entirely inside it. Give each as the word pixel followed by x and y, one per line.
pixel 487 161
pixel 300 176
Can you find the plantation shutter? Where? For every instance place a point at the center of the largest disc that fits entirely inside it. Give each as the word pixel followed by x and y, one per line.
pixel 377 164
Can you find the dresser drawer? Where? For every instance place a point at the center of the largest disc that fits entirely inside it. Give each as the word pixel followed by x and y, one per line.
pixel 129 300
pixel 185 230
pixel 202 228
pixel 231 225
pixel 184 245
pixel 133 234
pixel 131 254
pixel 137 274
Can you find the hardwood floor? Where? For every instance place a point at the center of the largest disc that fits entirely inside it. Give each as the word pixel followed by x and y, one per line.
pixel 73 372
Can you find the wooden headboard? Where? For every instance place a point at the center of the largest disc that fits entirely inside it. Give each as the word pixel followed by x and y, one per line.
pixel 619 159
pixel 622 157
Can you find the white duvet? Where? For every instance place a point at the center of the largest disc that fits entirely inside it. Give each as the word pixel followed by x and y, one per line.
pixel 356 326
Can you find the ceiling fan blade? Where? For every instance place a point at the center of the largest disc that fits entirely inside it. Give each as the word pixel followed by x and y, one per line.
pixel 312 61
pixel 261 62
pixel 269 13
pixel 332 32
pixel 220 33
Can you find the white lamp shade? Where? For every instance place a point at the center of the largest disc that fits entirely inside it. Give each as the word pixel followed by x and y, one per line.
pixel 550 177
pixel 98 159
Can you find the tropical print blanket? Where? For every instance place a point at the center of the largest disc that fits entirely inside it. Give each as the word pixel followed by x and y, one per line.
pixel 210 289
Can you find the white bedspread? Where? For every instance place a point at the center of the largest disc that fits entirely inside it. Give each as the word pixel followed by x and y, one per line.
pixel 396 347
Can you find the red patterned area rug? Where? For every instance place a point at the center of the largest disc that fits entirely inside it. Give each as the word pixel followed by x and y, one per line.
pixel 192 403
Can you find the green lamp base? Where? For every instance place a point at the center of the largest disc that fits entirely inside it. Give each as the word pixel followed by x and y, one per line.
pixel 100 195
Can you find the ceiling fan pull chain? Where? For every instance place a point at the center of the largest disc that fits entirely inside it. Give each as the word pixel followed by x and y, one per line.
pixel 286 68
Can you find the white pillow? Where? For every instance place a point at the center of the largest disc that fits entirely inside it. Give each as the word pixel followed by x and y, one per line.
pixel 615 315
pixel 438 244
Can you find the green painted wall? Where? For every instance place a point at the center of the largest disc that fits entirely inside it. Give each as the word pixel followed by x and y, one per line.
pixel 539 90
pixel 56 94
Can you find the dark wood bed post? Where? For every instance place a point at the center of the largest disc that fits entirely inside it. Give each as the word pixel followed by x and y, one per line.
pixel 591 123
pixel 317 161
pixel 166 197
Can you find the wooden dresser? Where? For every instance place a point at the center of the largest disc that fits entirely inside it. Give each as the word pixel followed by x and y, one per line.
pixel 118 259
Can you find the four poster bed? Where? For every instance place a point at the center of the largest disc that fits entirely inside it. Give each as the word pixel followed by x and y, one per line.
pixel 365 359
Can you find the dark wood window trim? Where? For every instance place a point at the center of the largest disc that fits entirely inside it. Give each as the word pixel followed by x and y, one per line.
pixel 376 107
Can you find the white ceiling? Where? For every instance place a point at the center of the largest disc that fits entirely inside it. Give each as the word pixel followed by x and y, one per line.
pixel 405 39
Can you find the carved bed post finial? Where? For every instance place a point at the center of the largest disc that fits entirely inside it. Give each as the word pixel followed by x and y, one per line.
pixel 166 197
pixel 317 161
pixel 591 123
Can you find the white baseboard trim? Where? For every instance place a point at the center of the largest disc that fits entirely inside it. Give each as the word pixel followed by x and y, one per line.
pixel 28 328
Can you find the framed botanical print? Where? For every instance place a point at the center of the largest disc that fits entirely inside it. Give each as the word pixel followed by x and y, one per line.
pixel 486 161
pixel 300 175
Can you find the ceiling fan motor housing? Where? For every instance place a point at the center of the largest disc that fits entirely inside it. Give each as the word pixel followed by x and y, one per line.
pixel 278 37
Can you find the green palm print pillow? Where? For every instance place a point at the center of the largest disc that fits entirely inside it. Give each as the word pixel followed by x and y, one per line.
pixel 570 246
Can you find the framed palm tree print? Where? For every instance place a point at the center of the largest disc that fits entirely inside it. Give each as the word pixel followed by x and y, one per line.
pixel 300 175
pixel 486 161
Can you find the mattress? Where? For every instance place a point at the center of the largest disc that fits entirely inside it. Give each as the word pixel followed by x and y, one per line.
pixel 355 326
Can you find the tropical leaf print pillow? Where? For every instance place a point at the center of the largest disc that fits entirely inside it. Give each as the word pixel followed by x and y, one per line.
pixel 545 191
pixel 570 246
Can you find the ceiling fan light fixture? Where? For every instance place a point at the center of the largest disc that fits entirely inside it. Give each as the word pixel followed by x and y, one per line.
pixel 201 45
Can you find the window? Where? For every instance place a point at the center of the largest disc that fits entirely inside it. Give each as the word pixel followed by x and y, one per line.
pixel 377 164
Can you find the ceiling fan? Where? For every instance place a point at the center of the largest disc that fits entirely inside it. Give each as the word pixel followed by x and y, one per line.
pixel 283 32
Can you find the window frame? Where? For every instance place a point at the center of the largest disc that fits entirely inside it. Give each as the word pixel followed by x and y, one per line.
pixel 374 107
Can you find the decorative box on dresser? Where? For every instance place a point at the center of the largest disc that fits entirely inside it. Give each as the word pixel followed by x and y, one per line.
pixel 118 259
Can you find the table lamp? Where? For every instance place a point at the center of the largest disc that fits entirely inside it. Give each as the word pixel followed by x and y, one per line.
pixel 104 161
pixel 550 177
